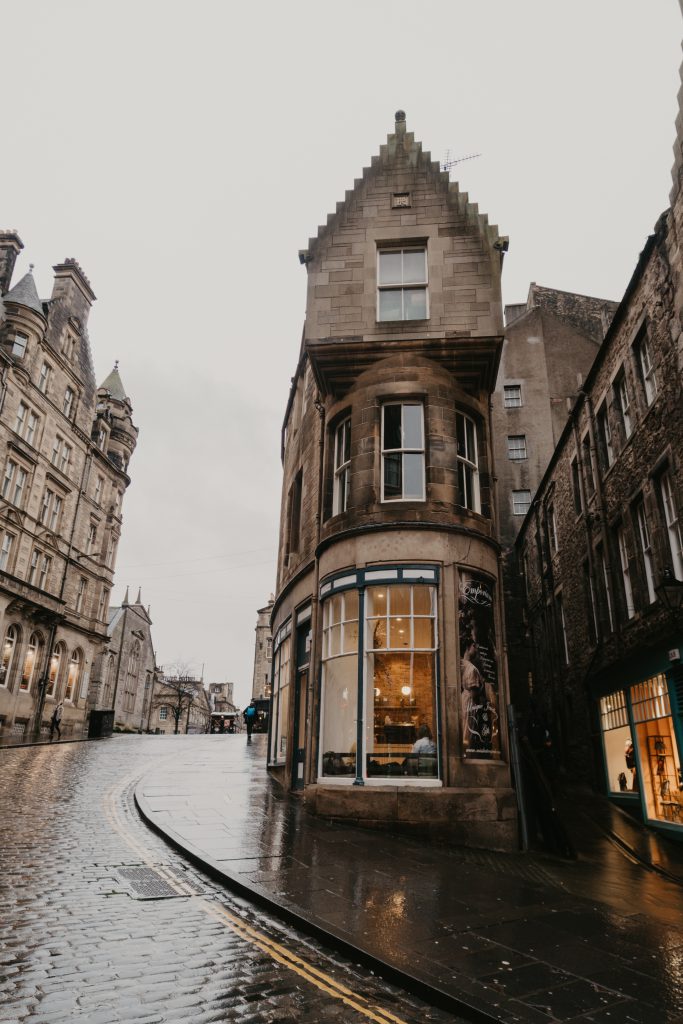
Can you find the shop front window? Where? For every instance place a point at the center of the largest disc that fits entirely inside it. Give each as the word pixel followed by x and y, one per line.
pixel 400 698
pixel 9 648
pixel 620 757
pixel 660 768
pixel 478 668
pixel 340 684
pixel 280 730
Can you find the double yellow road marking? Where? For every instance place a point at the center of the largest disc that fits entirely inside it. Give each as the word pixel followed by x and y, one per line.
pixel 277 952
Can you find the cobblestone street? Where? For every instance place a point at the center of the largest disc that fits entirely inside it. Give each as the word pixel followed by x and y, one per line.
pixel 81 939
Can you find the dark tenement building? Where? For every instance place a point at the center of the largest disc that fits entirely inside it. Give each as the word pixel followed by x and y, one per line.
pixel 601 551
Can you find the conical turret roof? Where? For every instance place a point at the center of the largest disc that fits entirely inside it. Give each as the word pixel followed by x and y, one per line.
pixel 114 385
pixel 25 293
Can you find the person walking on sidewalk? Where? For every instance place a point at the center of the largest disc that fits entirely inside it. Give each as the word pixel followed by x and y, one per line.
pixel 250 718
pixel 55 722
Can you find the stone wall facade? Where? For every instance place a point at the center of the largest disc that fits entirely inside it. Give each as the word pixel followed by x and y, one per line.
pixel 123 674
pixel 603 530
pixel 263 654
pixel 65 446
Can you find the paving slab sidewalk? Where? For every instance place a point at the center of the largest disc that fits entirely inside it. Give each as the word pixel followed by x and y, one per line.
pixel 511 938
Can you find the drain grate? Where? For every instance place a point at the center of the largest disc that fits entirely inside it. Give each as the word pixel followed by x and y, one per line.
pixel 149 884
pixel 505 864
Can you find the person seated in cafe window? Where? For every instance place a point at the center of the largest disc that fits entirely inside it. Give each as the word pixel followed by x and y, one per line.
pixel 424 744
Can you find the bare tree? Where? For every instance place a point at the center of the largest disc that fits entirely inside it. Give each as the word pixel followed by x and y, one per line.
pixel 178 690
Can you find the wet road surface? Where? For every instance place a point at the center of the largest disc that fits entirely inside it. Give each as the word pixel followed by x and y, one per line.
pixel 100 921
pixel 596 941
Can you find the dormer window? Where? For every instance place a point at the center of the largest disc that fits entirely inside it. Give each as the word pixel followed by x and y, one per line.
pixel 19 345
pixel 402 284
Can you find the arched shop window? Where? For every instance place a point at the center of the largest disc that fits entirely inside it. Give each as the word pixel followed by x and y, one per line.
pixel 9 649
pixel 55 665
pixel 31 659
pixel 73 675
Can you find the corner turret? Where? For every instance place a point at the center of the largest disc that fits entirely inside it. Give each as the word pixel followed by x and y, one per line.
pixel 113 429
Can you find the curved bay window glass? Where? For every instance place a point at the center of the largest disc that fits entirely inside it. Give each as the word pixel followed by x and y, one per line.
pixel 400 680
pixel 478 667
pixel 31 659
pixel 9 649
pixel 280 721
pixel 660 767
pixel 340 684
pixel 342 462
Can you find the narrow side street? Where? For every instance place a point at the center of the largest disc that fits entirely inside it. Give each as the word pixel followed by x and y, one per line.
pixel 88 932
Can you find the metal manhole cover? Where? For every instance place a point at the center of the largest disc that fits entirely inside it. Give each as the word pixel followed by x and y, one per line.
pixel 148 884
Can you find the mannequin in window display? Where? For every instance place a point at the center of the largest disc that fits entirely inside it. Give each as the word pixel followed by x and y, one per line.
pixel 630 758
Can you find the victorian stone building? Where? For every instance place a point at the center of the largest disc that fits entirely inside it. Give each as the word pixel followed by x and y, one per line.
pixel 263 654
pixel 65 445
pixel 123 673
pixel 389 681
pixel 601 549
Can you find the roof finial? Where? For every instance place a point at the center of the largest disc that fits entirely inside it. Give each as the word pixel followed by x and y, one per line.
pixel 30 267
pixel 116 364
pixel 400 117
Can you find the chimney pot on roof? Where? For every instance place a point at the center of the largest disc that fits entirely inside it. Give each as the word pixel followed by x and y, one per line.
pixel 400 116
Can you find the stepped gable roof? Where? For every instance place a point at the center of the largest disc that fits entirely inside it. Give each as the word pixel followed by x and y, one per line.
pixel 114 385
pixel 24 293
pixel 402 151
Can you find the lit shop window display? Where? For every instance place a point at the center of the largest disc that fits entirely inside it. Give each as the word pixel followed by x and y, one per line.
pixel 396 664
pixel 478 668
pixel 620 755
pixel 661 781
pixel 400 695
pixel 280 706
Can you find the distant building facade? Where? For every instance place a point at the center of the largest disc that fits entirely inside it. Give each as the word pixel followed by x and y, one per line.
pixel 263 654
pixel 179 704
pixel 389 687
pixel 123 674
pixel 65 446
pixel 221 696
pixel 601 550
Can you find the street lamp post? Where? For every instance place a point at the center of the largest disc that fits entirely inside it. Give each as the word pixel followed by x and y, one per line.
pixel 670 593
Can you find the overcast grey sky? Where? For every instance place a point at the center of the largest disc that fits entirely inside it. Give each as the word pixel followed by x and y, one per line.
pixel 184 153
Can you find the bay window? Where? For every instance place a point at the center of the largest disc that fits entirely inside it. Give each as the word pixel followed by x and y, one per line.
pixel 280 705
pixel 342 462
pixel 340 684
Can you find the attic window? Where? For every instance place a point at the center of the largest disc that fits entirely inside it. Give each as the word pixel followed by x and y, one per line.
pixel 400 200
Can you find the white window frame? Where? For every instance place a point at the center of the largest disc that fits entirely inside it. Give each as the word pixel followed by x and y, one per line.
pixel 646 366
pixel 625 572
pixel 99 487
pixel 14 485
pixel 607 594
pixel 44 380
pixel 20 421
pixel 68 403
pixel 646 550
pixel 672 520
pixel 340 495
pixel 512 392
pixel 81 593
pixel 468 465
pixel 516 503
pixel 92 537
pixel 559 604
pixel 404 451
pixel 6 550
pixel 552 531
pixel 605 432
pixel 44 573
pixel 19 347
pixel 624 399
pixel 517 451
pixel 163 713
pixel 404 285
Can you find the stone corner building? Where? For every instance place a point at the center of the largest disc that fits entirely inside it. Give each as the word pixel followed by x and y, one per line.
pixel 65 445
pixel 263 655
pixel 389 681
